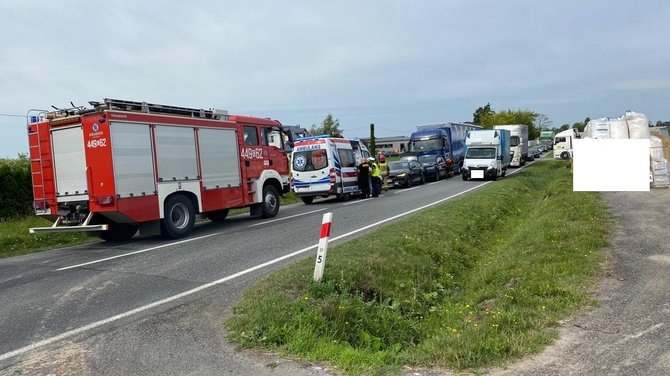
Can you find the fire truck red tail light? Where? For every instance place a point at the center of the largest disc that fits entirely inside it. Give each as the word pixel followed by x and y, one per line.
pixel 40 204
pixel 104 200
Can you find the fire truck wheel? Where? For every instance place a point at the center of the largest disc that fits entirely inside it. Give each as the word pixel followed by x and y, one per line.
pixel 179 217
pixel 270 204
pixel 217 215
pixel 118 232
pixel 307 199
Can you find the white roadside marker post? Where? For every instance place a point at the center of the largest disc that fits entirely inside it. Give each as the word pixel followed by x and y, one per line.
pixel 323 247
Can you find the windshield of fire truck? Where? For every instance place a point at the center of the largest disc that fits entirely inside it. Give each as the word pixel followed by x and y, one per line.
pixel 426 145
pixel 310 160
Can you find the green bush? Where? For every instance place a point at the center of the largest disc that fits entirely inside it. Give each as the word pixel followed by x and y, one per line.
pixel 16 195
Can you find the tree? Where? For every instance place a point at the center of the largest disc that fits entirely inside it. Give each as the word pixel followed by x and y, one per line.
pixel 481 114
pixel 509 116
pixel 564 127
pixel 328 126
pixel 543 122
pixel 372 146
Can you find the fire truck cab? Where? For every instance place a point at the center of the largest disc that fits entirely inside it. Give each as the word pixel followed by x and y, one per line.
pixel 122 166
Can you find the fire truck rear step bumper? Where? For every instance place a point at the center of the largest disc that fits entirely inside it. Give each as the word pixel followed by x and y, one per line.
pixel 82 227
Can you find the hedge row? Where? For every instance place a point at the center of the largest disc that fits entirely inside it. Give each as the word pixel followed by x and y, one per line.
pixel 16 195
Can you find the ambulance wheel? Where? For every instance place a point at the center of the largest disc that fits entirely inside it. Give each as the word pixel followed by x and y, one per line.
pixel 503 173
pixel 307 199
pixel 179 217
pixel 565 155
pixel 270 204
pixel 465 178
pixel 118 232
pixel 495 176
pixel 217 215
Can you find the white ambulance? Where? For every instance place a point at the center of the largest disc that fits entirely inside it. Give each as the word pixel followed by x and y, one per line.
pixel 326 166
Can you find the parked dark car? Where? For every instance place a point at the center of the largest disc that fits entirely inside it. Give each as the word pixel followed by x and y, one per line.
pixel 405 173
pixel 434 166
pixel 534 152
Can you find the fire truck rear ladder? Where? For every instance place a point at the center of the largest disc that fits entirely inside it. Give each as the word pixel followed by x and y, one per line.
pixel 33 116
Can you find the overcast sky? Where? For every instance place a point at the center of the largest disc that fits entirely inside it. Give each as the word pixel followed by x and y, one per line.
pixel 393 63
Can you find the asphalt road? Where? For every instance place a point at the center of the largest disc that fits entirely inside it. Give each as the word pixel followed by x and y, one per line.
pixel 149 306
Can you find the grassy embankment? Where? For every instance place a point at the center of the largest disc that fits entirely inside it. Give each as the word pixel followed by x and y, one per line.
pixel 15 239
pixel 476 282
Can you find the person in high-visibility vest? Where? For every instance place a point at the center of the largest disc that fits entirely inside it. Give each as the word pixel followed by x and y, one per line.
pixel 384 167
pixel 375 174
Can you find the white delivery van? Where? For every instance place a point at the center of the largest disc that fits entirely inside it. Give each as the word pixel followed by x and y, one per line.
pixel 487 155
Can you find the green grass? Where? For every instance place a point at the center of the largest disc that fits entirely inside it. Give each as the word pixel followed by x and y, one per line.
pixel 476 282
pixel 15 239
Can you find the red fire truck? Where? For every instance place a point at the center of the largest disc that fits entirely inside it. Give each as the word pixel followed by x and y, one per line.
pixel 121 166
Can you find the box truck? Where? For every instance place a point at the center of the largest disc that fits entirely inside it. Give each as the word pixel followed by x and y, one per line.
pixel 519 143
pixel 446 140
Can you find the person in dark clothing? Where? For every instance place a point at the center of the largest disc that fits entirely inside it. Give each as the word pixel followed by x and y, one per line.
pixel 364 178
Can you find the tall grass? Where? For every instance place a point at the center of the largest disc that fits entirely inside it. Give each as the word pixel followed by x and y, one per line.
pixel 15 239
pixel 469 284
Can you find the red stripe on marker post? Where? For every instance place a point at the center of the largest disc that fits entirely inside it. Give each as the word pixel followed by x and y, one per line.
pixel 322 250
pixel 325 229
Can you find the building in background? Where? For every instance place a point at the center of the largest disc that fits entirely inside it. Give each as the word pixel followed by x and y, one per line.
pixel 390 146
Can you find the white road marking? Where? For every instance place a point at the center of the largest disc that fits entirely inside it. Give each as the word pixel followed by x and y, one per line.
pixel 136 252
pixel 283 218
pixel 357 201
pixel 407 189
pixel 120 316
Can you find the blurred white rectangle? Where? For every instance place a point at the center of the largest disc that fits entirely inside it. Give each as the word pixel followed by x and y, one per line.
pixel 611 165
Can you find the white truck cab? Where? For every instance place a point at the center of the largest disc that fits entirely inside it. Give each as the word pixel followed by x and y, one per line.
pixel 563 143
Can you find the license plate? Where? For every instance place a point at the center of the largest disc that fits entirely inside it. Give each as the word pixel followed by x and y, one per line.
pixel 301 189
pixel 477 174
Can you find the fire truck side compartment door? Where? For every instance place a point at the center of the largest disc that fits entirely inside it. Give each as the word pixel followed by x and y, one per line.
pixel 219 158
pixel 176 153
pixel 70 164
pixel 133 159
